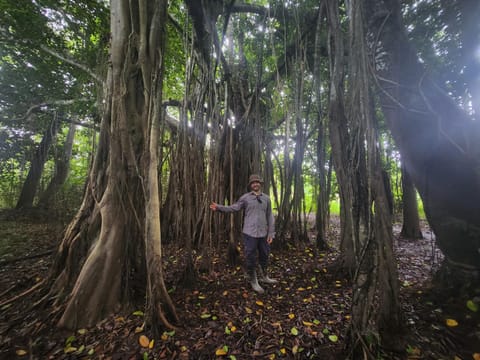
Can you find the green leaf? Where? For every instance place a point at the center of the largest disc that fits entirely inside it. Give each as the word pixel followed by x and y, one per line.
pixel 294 331
pixel 472 306
pixel 69 340
pixel 138 313
pixel 333 338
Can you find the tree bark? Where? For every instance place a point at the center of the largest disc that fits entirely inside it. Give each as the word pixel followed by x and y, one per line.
pixel 111 251
pixel 411 221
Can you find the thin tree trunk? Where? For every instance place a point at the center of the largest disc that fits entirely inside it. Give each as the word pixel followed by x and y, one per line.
pixel 62 166
pixel 30 185
pixel 321 218
pixel 339 138
pixel 411 221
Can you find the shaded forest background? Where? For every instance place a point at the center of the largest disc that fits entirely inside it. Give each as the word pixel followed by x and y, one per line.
pixel 126 119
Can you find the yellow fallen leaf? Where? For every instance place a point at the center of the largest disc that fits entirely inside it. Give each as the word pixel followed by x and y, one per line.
pixel 164 336
pixel 452 322
pixel 20 352
pixel 69 349
pixel 306 323
pixel 294 349
pixel 291 316
pixel 151 343
pixel 82 331
pixel 233 328
pixel 248 310
pixel 283 351
pixel 138 329
pixel 259 303
pixel 220 352
pixel 143 341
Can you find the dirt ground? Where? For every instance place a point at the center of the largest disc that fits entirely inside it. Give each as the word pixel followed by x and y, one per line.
pixel 304 316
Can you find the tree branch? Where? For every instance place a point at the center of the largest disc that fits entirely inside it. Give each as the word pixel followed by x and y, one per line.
pixel 47 103
pixel 72 62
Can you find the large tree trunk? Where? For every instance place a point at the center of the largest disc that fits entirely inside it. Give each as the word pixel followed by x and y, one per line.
pixel 440 145
pixel 103 252
pixel 30 185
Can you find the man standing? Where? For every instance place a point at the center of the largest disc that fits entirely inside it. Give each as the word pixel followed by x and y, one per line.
pixel 258 230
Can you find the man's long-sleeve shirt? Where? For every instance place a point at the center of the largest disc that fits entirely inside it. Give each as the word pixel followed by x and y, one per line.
pixel 258 217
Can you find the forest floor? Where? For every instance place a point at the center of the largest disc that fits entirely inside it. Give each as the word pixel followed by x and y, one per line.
pixel 304 316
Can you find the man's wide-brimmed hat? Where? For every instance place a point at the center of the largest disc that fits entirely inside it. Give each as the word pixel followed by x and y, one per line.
pixel 254 178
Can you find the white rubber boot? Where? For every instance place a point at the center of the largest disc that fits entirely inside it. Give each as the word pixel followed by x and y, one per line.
pixel 264 278
pixel 252 274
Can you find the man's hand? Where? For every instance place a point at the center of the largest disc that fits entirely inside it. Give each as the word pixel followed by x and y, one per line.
pixel 269 240
pixel 213 206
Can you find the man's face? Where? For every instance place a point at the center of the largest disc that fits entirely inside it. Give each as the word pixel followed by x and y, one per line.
pixel 255 186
